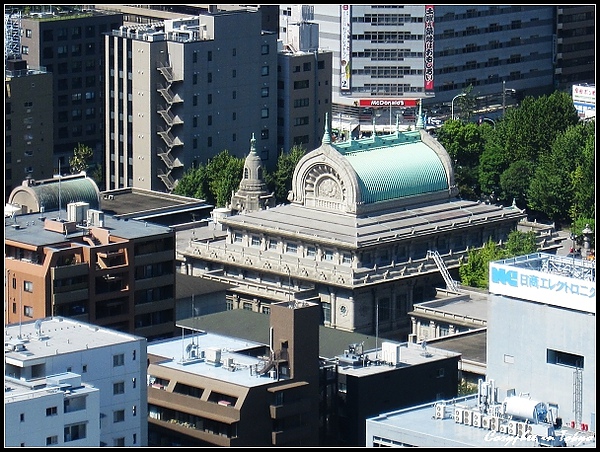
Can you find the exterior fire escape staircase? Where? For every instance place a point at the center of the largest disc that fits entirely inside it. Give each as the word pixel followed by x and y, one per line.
pixel 166 131
pixel 450 283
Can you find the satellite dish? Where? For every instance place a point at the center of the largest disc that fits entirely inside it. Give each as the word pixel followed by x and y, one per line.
pixel 38 326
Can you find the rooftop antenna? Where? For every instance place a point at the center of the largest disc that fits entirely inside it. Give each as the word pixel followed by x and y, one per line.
pixel 38 327
pixel 20 309
pixel 59 193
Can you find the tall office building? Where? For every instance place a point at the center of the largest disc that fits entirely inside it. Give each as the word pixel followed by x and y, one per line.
pixel 394 55
pixel 304 85
pixel 28 126
pixel 181 91
pixel 68 42
pixel 576 45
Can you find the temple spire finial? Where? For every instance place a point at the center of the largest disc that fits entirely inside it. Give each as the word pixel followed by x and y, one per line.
pixel 326 135
pixel 420 123
pixel 253 143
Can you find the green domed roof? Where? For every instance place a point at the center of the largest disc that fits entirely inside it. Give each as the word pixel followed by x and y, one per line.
pixel 390 168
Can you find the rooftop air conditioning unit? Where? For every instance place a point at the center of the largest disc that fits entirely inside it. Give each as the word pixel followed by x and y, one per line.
pixel 494 424
pixel 485 422
pixel 440 410
pixel 476 418
pixel 458 415
pixel 467 417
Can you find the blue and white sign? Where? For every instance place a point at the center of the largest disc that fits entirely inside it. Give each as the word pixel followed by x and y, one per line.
pixel 542 287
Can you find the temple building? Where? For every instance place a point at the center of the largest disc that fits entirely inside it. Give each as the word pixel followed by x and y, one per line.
pixel 373 226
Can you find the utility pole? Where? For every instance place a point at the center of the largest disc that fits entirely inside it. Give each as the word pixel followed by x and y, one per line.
pixel 503 96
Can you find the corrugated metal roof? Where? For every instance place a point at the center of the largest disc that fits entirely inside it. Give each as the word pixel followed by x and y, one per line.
pixel 71 190
pixel 394 166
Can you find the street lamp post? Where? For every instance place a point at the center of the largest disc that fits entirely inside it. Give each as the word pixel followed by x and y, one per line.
pixel 452 103
pixel 503 96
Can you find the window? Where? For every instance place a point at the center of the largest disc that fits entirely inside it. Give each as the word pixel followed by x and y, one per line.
pixel 301 84
pixel 291 248
pixel 233 73
pixel 328 255
pixel 264 70
pixel 28 311
pixel 134 410
pixel 119 388
pixel 27 286
pixel 51 440
pixel 22 417
pixel 247 306
pixel 564 359
pixel 264 92
pixel 306 67
pixel 74 432
pixel 264 49
pixel 134 382
pixel 264 113
pixel 209 55
pixel 255 241
pixel 118 360
pixel 84 369
pixel 119 442
pixel 118 416
pixel 52 411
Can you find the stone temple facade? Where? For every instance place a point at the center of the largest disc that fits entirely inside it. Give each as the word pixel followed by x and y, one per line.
pixel 373 226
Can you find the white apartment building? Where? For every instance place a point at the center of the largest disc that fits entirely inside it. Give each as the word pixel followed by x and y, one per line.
pixel 54 411
pixel 111 391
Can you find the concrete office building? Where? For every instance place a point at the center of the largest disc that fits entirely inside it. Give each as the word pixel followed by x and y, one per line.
pixel 72 260
pixel 397 375
pixel 304 84
pixel 541 366
pixel 390 56
pixel 84 385
pixel 207 389
pixel 180 91
pixel 548 304
pixel 575 45
pixel 58 410
pixel 367 222
pixel 28 97
pixel 522 420
pixel 68 42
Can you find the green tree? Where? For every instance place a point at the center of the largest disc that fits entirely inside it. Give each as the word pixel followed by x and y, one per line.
pixel 214 182
pixel 280 181
pixel 523 134
pixel 515 180
pixel 583 204
pixel 561 186
pixel 519 244
pixel 465 142
pixel 224 173
pixel 80 161
pixel 464 106
pixel 193 184
pixel 475 271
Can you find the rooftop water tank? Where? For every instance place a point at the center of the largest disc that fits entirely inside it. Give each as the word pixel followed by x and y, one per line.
pixel 526 409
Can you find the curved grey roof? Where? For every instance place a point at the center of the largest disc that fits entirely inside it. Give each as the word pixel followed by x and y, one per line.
pixel 54 193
